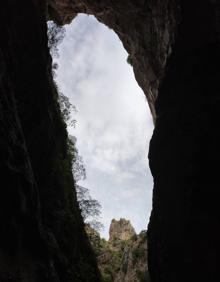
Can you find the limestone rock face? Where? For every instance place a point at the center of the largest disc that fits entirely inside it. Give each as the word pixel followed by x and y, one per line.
pixel 146 29
pixel 121 230
pixel 123 258
pixel 134 266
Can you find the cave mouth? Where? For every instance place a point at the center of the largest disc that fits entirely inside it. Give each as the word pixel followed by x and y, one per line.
pixel 114 124
pixel 42 234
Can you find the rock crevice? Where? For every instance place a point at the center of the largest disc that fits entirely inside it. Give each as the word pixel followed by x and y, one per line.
pixel 174 49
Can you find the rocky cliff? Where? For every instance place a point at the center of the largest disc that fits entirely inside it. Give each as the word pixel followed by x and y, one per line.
pixel 134 266
pixel 146 29
pixel 42 235
pixel 174 48
pixel 121 230
pixel 123 258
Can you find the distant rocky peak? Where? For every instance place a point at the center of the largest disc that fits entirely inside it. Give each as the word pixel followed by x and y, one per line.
pixel 121 230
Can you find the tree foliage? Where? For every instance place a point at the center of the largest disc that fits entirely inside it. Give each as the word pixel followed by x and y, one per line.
pixel 129 60
pixel 90 208
pixel 55 35
pixel 67 110
pixel 78 168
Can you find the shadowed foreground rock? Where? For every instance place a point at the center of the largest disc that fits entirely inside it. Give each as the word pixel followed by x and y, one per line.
pixel 42 237
pixel 174 48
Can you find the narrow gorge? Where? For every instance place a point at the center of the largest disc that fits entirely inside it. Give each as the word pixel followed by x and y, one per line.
pixel 174 50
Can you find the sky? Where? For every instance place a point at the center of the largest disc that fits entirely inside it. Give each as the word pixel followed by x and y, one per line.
pixel 114 125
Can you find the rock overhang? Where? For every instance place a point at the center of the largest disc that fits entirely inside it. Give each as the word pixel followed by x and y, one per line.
pixel 145 28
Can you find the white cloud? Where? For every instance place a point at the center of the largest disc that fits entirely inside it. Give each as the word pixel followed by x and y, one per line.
pixel 114 123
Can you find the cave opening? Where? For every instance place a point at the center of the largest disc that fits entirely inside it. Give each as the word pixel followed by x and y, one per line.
pixel 174 47
pixel 114 124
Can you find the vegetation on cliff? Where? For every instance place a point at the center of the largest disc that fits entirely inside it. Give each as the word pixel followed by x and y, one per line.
pixel 90 208
pixel 121 260
pixel 76 260
pixel 124 256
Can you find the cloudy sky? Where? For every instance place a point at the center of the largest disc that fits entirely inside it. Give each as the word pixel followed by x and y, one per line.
pixel 114 125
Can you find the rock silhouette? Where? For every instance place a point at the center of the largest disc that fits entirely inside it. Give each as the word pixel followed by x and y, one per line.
pixel 174 47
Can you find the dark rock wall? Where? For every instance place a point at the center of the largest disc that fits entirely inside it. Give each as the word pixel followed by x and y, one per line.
pixel 184 154
pixel 145 28
pixel 42 236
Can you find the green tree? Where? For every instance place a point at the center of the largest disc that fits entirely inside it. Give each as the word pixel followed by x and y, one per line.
pixel 67 110
pixel 129 60
pixel 55 34
pixel 90 208
pixel 78 168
